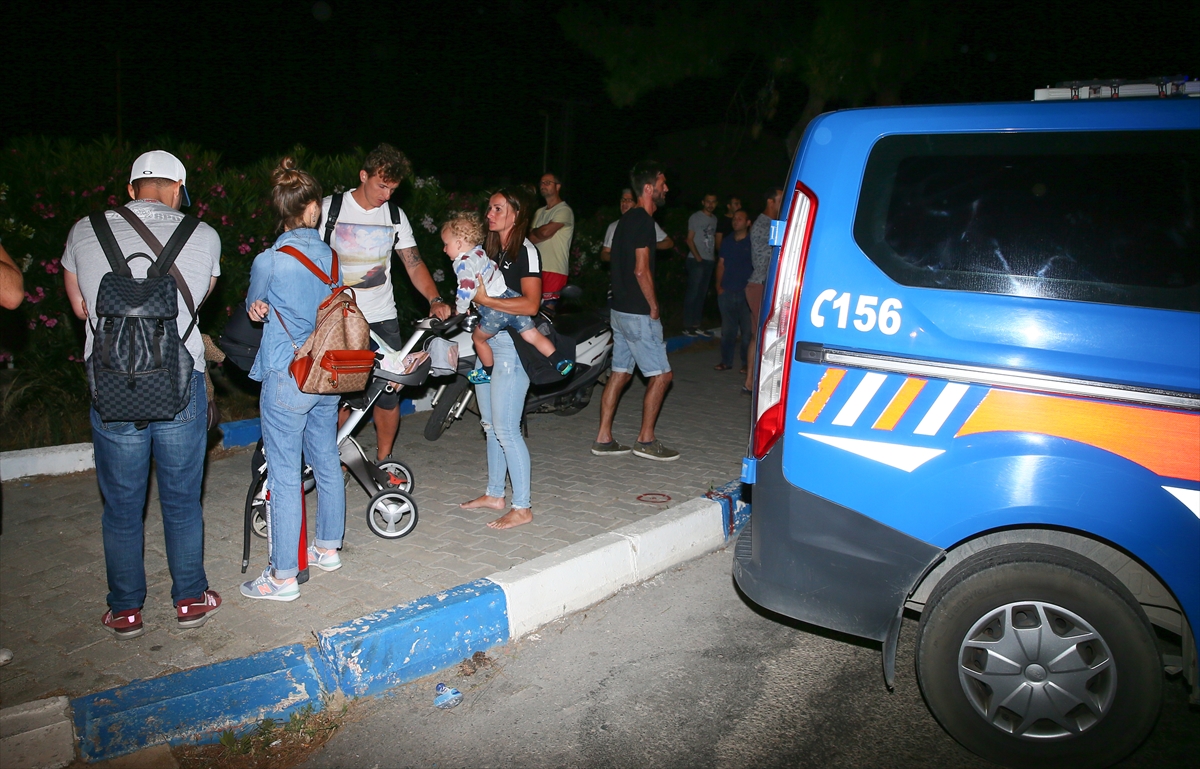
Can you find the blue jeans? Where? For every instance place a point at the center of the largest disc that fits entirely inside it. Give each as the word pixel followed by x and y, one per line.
pixel 296 423
pixel 638 341
pixel 123 472
pixel 699 276
pixel 501 403
pixel 735 316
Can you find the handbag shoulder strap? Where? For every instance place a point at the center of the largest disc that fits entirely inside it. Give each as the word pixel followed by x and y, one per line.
pixel 299 256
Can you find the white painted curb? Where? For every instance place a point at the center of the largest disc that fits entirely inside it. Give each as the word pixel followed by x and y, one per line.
pixel 38 734
pixel 51 460
pixel 556 584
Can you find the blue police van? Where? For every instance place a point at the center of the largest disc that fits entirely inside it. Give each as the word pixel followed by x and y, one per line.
pixel 978 399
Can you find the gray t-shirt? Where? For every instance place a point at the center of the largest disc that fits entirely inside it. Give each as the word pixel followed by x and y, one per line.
pixel 760 248
pixel 199 261
pixel 705 228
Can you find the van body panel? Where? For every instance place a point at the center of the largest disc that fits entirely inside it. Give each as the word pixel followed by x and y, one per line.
pixel 929 462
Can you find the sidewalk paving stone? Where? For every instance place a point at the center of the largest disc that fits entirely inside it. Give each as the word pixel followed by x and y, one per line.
pixel 52 577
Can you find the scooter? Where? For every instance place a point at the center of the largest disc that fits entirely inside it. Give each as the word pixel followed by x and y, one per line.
pixel 593 359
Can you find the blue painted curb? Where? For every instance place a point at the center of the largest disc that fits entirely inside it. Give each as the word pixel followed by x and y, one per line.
pixel 362 657
pixel 243 432
pixel 246 432
pixel 676 343
pixel 197 705
pixel 374 653
pixel 734 512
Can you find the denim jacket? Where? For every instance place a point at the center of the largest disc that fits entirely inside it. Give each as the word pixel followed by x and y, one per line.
pixel 285 284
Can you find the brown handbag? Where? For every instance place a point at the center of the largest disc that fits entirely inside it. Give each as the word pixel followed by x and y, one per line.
pixel 336 357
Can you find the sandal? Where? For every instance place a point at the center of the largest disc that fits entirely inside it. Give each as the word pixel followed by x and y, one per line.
pixel 721 367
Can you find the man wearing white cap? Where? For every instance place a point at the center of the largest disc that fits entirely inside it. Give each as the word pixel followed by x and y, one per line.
pixel 123 452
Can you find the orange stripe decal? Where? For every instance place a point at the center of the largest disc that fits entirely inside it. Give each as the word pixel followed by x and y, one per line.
pixel 1164 442
pixel 820 396
pixel 899 404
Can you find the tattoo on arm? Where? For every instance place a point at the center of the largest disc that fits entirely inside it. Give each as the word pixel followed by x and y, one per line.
pixel 410 256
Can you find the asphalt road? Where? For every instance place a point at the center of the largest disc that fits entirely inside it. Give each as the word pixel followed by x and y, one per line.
pixel 682 672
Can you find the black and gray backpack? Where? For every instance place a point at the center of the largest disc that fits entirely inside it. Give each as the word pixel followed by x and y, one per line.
pixel 335 210
pixel 140 371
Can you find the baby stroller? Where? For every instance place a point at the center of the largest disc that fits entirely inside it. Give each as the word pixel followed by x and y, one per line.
pixel 391 512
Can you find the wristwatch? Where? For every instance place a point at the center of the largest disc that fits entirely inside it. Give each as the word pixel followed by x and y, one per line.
pixel 436 300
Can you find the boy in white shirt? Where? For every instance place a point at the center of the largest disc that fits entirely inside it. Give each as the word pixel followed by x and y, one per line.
pixel 461 236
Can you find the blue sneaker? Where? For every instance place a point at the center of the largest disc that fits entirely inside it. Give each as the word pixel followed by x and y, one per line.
pixel 327 561
pixel 479 376
pixel 564 367
pixel 268 589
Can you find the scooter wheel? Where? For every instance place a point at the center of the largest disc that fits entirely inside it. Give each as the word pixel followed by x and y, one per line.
pixel 392 514
pixel 400 475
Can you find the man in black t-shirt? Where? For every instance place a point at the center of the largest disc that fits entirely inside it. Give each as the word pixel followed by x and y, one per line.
pixel 637 330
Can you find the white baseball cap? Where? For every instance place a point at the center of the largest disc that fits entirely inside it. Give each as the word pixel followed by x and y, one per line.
pixel 160 164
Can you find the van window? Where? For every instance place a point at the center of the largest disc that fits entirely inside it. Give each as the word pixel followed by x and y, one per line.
pixel 1090 216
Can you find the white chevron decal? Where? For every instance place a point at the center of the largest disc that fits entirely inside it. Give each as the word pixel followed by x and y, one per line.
pixel 906 458
pixel 1189 497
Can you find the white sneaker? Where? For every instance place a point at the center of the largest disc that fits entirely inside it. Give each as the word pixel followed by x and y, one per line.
pixel 327 561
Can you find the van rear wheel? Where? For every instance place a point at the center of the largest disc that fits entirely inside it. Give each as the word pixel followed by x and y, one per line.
pixel 1031 653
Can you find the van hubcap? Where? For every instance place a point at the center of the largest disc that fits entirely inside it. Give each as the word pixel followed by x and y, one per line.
pixel 1037 671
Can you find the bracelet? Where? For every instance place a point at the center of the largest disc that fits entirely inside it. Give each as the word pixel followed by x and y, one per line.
pixel 436 300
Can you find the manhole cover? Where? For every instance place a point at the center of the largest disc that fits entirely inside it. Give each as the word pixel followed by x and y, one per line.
pixel 654 498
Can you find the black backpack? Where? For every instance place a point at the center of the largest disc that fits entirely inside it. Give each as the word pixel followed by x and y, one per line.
pixel 140 371
pixel 335 210
pixel 541 369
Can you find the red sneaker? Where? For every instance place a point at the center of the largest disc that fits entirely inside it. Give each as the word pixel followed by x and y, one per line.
pixel 124 624
pixel 193 612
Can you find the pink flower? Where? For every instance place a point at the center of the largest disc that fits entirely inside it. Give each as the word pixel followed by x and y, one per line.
pixel 4 356
pixel 187 157
pixel 51 322
pixel 217 191
pixel 71 193
pixel 85 193
pixel 112 200
pixel 38 295
pixel 52 266
pixel 226 221
pixel 32 325
pixel 243 248
pixel 201 210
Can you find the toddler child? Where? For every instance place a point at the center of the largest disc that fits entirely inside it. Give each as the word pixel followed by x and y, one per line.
pixel 461 236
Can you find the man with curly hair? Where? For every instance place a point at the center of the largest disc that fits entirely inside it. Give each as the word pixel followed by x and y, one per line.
pixel 364 227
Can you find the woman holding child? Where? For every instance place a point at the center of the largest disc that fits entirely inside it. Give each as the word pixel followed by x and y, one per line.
pixel 502 400
pixel 285 292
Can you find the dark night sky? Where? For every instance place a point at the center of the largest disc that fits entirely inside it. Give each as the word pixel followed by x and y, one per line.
pixel 459 85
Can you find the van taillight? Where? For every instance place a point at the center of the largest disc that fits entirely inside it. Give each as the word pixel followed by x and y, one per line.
pixel 777 336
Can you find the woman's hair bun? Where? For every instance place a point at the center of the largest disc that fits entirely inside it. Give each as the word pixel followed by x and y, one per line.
pixel 285 174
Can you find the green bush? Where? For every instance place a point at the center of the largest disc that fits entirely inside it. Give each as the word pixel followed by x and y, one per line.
pixel 47 185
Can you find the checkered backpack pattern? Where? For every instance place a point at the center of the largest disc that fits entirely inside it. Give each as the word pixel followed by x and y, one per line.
pixel 139 370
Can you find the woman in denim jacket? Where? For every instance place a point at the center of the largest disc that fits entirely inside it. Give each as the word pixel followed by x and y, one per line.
pixel 285 293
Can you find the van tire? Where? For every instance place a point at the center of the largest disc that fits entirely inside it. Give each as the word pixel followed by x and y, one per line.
pixel 1056 595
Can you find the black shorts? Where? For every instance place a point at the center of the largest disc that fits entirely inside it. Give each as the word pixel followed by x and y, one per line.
pixel 388 331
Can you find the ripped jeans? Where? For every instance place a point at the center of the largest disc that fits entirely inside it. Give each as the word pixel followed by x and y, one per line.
pixel 501 403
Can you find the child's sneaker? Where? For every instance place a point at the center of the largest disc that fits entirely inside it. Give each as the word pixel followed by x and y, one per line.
pixel 327 561
pixel 479 376
pixel 193 612
pixel 564 367
pixel 268 589
pixel 124 624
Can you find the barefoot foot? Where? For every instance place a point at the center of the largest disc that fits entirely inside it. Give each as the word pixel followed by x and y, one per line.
pixel 514 517
pixel 491 503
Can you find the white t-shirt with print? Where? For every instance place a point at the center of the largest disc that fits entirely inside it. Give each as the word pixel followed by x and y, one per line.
pixel 364 241
pixel 659 235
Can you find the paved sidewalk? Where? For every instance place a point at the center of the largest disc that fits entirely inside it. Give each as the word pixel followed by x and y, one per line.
pixel 52 580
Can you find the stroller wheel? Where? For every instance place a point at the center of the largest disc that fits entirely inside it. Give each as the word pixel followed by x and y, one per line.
pixel 399 475
pixel 258 508
pixel 392 514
